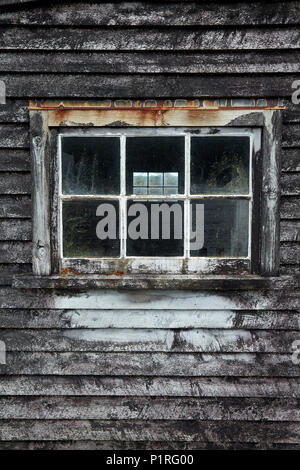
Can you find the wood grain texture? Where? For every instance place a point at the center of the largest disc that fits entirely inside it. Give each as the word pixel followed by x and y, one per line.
pixel 291 160
pixel 157 13
pixel 12 135
pixel 150 408
pixel 14 160
pixel 150 364
pixel 12 206
pixel 166 319
pixel 15 183
pixel 136 430
pixel 156 340
pixel 15 252
pixel 15 229
pixel 146 86
pixel 145 386
pixel 23 38
pixel 130 62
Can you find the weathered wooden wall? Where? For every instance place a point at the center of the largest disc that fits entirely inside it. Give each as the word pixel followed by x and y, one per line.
pixel 146 369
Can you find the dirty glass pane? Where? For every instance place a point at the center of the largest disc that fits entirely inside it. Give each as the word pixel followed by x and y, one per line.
pixel 155 165
pixel 90 165
pixel 225 228
pixel 155 228
pixel 80 238
pixel 220 165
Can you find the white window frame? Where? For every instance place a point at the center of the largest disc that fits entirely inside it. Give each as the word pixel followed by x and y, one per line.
pixel 149 264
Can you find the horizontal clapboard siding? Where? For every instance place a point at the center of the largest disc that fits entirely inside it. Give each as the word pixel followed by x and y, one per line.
pixel 151 370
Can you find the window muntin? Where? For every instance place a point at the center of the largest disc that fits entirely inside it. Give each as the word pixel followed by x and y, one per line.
pixel 78 200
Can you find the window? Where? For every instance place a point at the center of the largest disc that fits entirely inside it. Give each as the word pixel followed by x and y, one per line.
pixel 135 195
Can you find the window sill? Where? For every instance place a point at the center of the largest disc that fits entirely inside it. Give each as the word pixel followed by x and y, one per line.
pixel 165 282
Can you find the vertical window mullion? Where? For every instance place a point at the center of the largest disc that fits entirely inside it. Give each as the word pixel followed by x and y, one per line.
pixel 123 201
pixel 187 183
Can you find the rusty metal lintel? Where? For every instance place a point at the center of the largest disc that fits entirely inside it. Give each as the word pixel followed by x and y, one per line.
pixel 153 105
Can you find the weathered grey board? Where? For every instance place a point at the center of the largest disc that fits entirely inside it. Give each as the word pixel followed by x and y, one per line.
pixel 146 86
pixel 150 408
pixel 225 319
pixel 146 62
pixel 15 252
pixel 14 110
pixel 13 135
pixel 290 253
pixel 15 183
pixel 185 430
pixel 15 229
pixel 291 135
pixel 145 445
pixel 60 385
pixel 291 159
pixel 158 14
pixel 15 206
pixel 156 340
pixel 14 160
pixel 290 231
pixel 23 38
pixel 290 184
pixel 290 207
pixel 150 364
pixel 136 300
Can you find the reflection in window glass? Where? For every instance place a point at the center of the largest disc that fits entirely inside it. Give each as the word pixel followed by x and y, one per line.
pixel 161 159
pixel 225 228
pixel 155 183
pixel 79 230
pixel 220 165
pixel 90 165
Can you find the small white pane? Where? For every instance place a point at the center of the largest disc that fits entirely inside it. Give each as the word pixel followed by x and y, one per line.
pixel 140 179
pixel 171 179
pixel 156 179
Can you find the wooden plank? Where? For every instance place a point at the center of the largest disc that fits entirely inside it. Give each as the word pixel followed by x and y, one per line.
pixel 62 386
pixel 135 430
pixel 270 196
pixel 14 160
pixel 291 114
pixel 15 252
pixel 291 135
pixel 150 364
pixel 41 262
pixel 14 110
pixel 290 253
pixel 15 206
pixel 290 231
pixel 144 299
pixel 15 183
pixel 290 269
pixel 158 14
pixel 148 62
pixel 290 207
pixel 10 269
pixel 22 38
pixel 146 408
pixel 156 340
pixel 226 319
pixel 148 85
pixel 143 445
pixel 185 282
pixel 15 229
pixel 291 159
pixel 13 135
pixel 290 184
